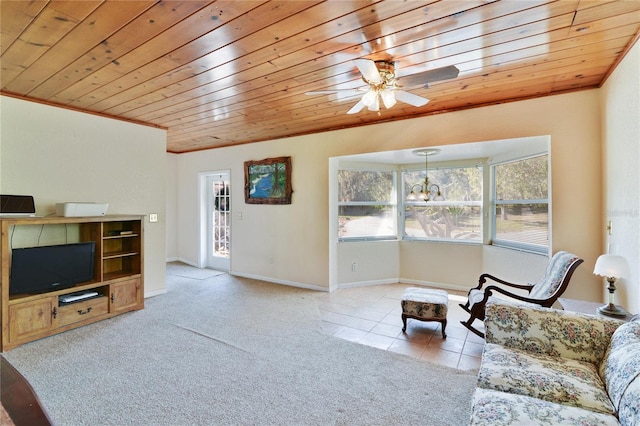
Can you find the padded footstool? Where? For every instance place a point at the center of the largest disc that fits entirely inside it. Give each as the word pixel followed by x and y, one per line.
pixel 425 304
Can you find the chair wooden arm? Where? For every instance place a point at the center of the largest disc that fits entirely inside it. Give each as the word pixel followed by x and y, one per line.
pixel 478 309
pixel 488 293
pixel 483 280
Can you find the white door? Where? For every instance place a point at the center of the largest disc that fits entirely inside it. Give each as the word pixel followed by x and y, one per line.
pixel 218 221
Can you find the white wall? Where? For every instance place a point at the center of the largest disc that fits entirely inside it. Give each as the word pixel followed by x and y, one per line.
pixel 296 237
pixel 281 243
pixel 172 207
pixel 59 155
pixel 621 157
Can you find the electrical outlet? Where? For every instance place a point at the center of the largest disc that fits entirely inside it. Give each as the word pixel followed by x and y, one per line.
pixel 153 217
pixel 354 267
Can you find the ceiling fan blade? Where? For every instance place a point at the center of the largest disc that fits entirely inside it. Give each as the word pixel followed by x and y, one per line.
pixel 410 98
pixel 368 70
pixel 357 107
pixel 426 77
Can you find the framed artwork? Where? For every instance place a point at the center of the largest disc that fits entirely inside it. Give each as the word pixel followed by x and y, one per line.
pixel 268 181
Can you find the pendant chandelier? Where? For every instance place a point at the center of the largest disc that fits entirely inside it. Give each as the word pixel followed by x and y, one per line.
pixel 425 190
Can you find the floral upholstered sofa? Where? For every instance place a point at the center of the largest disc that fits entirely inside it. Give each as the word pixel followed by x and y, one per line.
pixel 542 366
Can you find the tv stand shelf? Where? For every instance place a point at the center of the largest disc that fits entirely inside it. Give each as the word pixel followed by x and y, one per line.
pixel 114 254
pixel 117 278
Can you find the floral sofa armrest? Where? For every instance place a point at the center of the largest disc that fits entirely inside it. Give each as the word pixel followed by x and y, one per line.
pixel 549 331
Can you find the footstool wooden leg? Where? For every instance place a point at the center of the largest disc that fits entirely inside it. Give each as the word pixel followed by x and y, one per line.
pixel 404 323
pixel 444 325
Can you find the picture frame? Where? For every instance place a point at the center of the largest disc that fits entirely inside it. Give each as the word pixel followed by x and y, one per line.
pixel 268 181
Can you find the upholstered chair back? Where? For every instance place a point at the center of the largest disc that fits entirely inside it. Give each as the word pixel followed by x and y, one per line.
pixel 554 276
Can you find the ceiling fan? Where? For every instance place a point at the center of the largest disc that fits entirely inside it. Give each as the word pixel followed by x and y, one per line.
pixel 383 85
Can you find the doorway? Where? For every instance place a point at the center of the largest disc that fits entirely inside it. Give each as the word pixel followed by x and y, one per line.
pixel 218 220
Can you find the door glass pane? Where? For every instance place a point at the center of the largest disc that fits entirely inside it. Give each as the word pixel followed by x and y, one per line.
pixel 221 219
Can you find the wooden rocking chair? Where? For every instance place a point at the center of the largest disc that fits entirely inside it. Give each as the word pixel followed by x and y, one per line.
pixel 543 293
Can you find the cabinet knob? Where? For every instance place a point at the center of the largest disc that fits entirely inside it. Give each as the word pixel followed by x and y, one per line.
pixel 55 312
pixel 113 297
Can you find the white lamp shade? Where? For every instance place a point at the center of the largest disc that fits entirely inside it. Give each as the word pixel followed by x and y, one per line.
pixel 609 265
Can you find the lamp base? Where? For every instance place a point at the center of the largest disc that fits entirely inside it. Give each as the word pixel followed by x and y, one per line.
pixel 612 310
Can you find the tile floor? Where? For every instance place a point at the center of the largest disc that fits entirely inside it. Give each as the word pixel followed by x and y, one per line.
pixel 372 316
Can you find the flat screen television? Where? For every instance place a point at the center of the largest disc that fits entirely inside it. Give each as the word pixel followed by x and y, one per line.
pixel 48 268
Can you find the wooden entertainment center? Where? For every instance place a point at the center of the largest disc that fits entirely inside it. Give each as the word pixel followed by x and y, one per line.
pixel 118 278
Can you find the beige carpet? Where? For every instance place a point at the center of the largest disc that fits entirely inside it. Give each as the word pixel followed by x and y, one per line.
pixel 231 351
pixel 186 271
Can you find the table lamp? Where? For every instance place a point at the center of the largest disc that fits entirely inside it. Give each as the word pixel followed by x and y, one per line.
pixel 611 267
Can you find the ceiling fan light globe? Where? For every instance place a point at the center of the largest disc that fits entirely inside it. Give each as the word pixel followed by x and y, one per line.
pixel 375 106
pixel 369 98
pixel 388 98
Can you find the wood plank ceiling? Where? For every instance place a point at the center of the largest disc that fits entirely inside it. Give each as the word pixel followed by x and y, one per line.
pixel 220 73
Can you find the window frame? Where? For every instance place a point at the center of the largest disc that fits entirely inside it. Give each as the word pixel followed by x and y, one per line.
pixel 494 203
pixel 471 163
pixel 393 204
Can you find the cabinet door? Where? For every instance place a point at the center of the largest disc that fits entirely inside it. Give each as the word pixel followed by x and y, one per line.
pixel 126 295
pixel 33 318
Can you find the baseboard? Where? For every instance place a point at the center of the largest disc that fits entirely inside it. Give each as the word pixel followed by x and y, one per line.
pixel 422 283
pixel 282 282
pixel 154 293
pixel 435 284
pixel 187 262
pixel 355 284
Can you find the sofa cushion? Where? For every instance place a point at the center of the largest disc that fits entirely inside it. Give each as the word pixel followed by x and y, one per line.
pixel 565 381
pixel 621 364
pixel 494 408
pixel 549 331
pixel 629 409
